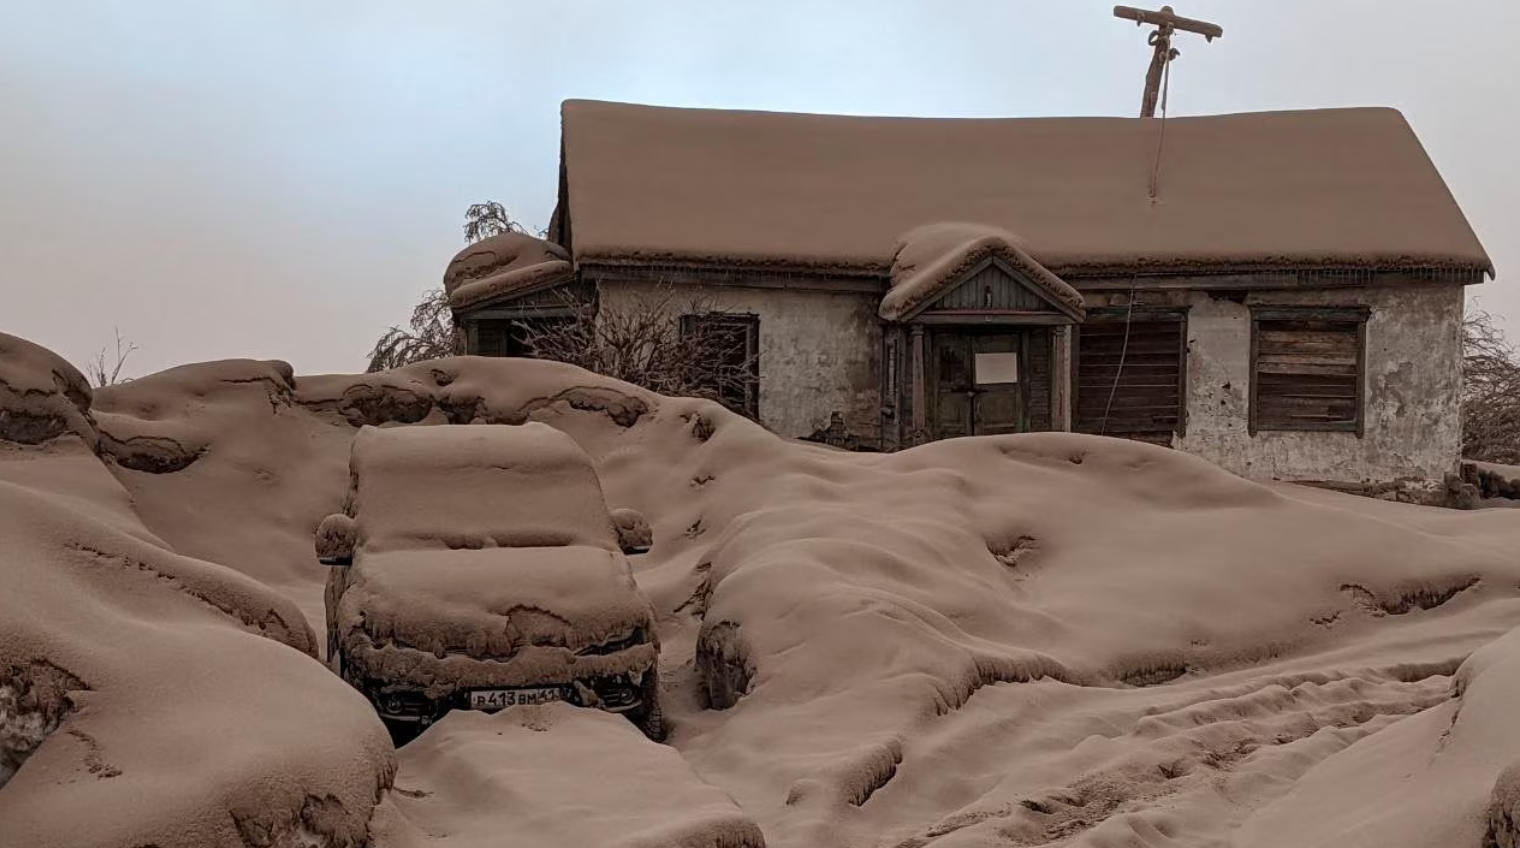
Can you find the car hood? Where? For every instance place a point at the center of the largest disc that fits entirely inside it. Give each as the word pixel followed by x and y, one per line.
pixel 493 603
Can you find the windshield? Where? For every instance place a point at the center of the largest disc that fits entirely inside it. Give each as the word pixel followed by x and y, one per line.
pixel 473 486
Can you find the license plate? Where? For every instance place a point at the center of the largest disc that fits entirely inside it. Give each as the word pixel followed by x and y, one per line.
pixel 496 699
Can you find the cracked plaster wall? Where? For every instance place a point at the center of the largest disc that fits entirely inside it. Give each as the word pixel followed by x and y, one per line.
pixel 820 352
pixel 1413 381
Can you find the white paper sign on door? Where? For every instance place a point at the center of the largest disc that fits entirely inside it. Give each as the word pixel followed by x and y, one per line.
pixel 991 368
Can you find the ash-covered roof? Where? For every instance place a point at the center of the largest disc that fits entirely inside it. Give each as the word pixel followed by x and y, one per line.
pixel 504 265
pixel 1323 188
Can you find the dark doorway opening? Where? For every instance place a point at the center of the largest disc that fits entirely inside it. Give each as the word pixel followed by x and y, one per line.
pixel 509 336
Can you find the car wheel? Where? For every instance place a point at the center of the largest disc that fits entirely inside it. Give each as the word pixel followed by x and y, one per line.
pixel 648 716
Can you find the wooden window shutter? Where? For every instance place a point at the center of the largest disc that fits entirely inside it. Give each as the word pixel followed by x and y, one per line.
pixel 1307 369
pixel 1132 387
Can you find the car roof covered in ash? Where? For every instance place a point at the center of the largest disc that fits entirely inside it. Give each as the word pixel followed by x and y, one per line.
pixel 477 485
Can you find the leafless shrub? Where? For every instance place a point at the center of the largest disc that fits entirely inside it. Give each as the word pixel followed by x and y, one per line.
pixel 483 220
pixel 103 372
pixel 431 335
pixel 668 344
pixel 1490 392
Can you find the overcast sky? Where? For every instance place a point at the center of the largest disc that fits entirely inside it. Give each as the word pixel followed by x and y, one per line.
pixel 282 178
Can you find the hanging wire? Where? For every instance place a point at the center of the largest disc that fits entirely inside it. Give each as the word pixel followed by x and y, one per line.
pixel 1166 84
pixel 1123 352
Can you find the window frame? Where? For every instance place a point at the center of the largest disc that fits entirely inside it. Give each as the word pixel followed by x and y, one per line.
pixel 1140 313
pixel 511 331
pixel 1357 315
pixel 750 323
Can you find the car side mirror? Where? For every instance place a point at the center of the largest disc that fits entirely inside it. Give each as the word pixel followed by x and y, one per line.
pixel 634 534
pixel 335 540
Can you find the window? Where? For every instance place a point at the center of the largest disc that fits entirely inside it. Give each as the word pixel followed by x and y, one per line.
pixel 509 336
pixel 1130 374
pixel 1307 369
pixel 729 346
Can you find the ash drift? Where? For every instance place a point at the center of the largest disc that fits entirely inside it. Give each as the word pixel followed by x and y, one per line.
pixel 1042 639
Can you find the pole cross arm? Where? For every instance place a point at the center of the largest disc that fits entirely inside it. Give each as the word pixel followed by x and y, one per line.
pixel 1166 23
pixel 1165 18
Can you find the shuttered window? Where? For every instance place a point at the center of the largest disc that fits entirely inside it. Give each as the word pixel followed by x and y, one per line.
pixel 1129 373
pixel 1307 369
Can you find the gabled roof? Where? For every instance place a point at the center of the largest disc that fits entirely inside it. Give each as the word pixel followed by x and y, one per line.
pixel 506 265
pixel 933 259
pixel 1347 188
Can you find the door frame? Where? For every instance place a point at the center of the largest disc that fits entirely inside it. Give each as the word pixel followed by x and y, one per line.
pixel 968 333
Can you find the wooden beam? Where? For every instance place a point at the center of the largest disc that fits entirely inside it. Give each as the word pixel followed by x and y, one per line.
pixel 842 283
pixel 977 317
pixel 1348 313
pixel 1061 379
pixel 1166 17
pixel 920 391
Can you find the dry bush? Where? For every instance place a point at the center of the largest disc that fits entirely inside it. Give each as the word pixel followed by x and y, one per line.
pixel 1490 392
pixel 483 220
pixel 108 373
pixel 432 335
pixel 654 343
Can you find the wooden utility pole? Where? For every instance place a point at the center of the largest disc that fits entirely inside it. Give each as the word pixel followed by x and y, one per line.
pixel 1161 39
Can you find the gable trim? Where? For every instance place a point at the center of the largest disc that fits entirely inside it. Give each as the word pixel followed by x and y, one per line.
pixel 1019 278
pixel 933 260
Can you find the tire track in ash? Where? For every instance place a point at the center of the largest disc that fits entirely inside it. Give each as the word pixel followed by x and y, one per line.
pixel 1049 762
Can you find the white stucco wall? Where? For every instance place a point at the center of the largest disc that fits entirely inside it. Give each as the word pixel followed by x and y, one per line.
pixel 820 352
pixel 1413 384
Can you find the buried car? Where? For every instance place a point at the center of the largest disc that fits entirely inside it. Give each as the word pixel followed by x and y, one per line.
pixel 478 567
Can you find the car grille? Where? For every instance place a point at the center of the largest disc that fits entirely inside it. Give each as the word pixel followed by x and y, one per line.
pixel 613 646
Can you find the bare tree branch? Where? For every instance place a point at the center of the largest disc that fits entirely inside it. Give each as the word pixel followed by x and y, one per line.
pixel 483 220
pixel 643 341
pixel 1490 392
pixel 102 373
pixel 432 335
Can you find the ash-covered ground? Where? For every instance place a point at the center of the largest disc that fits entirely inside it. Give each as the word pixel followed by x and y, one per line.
pixel 1027 640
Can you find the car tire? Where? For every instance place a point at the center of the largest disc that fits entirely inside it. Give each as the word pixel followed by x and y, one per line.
pixel 649 716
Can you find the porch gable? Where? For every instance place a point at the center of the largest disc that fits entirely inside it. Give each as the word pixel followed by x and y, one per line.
pixel 993 292
pixel 951 272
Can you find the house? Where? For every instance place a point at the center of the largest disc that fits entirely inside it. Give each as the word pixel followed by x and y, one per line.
pixel 1281 293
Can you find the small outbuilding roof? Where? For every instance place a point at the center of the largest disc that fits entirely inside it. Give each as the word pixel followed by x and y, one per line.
pixel 1343 188
pixel 504 265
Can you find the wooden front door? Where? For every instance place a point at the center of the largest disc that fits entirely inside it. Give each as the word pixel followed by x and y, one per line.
pixel 979 383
